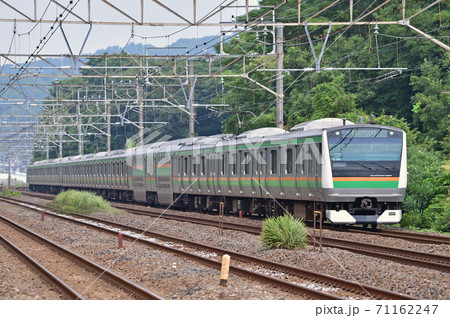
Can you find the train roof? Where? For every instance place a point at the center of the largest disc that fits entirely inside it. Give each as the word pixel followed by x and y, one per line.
pixel 323 123
pixel 306 129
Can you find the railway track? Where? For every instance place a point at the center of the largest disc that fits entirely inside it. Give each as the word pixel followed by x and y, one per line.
pixel 251 266
pixel 64 289
pixel 414 237
pixel 83 272
pixel 434 261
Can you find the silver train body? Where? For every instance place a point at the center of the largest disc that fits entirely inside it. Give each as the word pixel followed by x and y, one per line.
pixel 355 174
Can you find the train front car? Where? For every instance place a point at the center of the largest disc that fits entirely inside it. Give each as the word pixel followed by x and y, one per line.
pixel 364 180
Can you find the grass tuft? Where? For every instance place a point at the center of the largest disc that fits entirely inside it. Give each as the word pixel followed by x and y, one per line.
pixel 83 203
pixel 283 232
pixel 7 193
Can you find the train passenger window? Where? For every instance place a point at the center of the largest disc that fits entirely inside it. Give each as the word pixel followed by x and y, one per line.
pixel 246 163
pixel 234 164
pixel 263 163
pixel 194 165
pixel 223 164
pixel 273 162
pixel 289 161
pixel 301 153
pixel 185 168
pixel 203 166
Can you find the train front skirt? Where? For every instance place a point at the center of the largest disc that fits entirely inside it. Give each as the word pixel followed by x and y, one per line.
pixel 343 217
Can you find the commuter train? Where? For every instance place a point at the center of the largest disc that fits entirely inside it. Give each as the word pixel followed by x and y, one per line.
pixel 353 173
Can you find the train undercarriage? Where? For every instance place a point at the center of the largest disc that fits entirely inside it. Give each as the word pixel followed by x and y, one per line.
pixel 365 211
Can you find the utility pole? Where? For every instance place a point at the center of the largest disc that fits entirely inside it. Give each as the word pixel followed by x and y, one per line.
pixel 108 126
pixel 80 131
pixel 279 79
pixel 60 141
pixel 48 147
pixel 140 97
pixel 9 169
pixel 190 102
pixel 108 119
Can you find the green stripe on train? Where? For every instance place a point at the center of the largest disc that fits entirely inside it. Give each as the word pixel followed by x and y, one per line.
pixel 365 184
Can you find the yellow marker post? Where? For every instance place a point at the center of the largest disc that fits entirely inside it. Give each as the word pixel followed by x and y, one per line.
pixel 225 270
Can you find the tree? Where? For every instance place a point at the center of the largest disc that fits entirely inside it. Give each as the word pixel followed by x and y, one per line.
pixel 431 103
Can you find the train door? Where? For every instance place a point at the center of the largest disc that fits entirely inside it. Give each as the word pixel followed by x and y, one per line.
pixel 96 174
pixel 263 174
pixel 117 174
pixel 124 173
pixel 195 177
pixel 177 170
pixel 244 176
pixel 185 173
pixel 203 178
pixel 138 176
pixel 213 174
pixel 312 177
pixel 190 173
pixel 273 177
pixel 233 177
pixel 287 173
pixel 261 165
pixel 319 171
pixel 209 173
pixel 223 184
pixel 301 170
pixel 254 174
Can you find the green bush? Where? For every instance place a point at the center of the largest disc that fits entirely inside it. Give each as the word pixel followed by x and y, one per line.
pixel 283 232
pixel 424 170
pixel 426 204
pixel 82 202
pixel 7 193
pixel 439 214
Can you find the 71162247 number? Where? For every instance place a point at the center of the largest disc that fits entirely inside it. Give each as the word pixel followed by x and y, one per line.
pixel 406 309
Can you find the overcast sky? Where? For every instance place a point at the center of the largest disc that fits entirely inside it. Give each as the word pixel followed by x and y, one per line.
pixel 29 34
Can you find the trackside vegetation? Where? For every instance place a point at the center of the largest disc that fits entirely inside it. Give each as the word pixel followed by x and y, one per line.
pixel 7 193
pixel 427 200
pixel 82 202
pixel 283 232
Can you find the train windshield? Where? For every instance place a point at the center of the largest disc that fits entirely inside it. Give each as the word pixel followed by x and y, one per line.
pixel 365 144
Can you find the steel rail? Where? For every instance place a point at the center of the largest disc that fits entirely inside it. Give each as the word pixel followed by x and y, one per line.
pixel 357 288
pixel 132 288
pixel 435 261
pixel 67 291
pixel 307 292
pixel 298 272
pixel 414 237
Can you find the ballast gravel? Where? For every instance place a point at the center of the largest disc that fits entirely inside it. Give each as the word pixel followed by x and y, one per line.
pixel 173 277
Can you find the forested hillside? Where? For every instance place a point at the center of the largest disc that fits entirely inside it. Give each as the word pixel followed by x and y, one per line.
pixel 415 98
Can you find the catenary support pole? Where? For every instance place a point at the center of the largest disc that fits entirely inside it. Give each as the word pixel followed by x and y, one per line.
pixel 191 99
pixel 280 56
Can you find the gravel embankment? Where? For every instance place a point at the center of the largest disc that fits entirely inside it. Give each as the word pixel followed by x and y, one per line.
pixel 165 274
pixel 175 278
pixel 19 282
